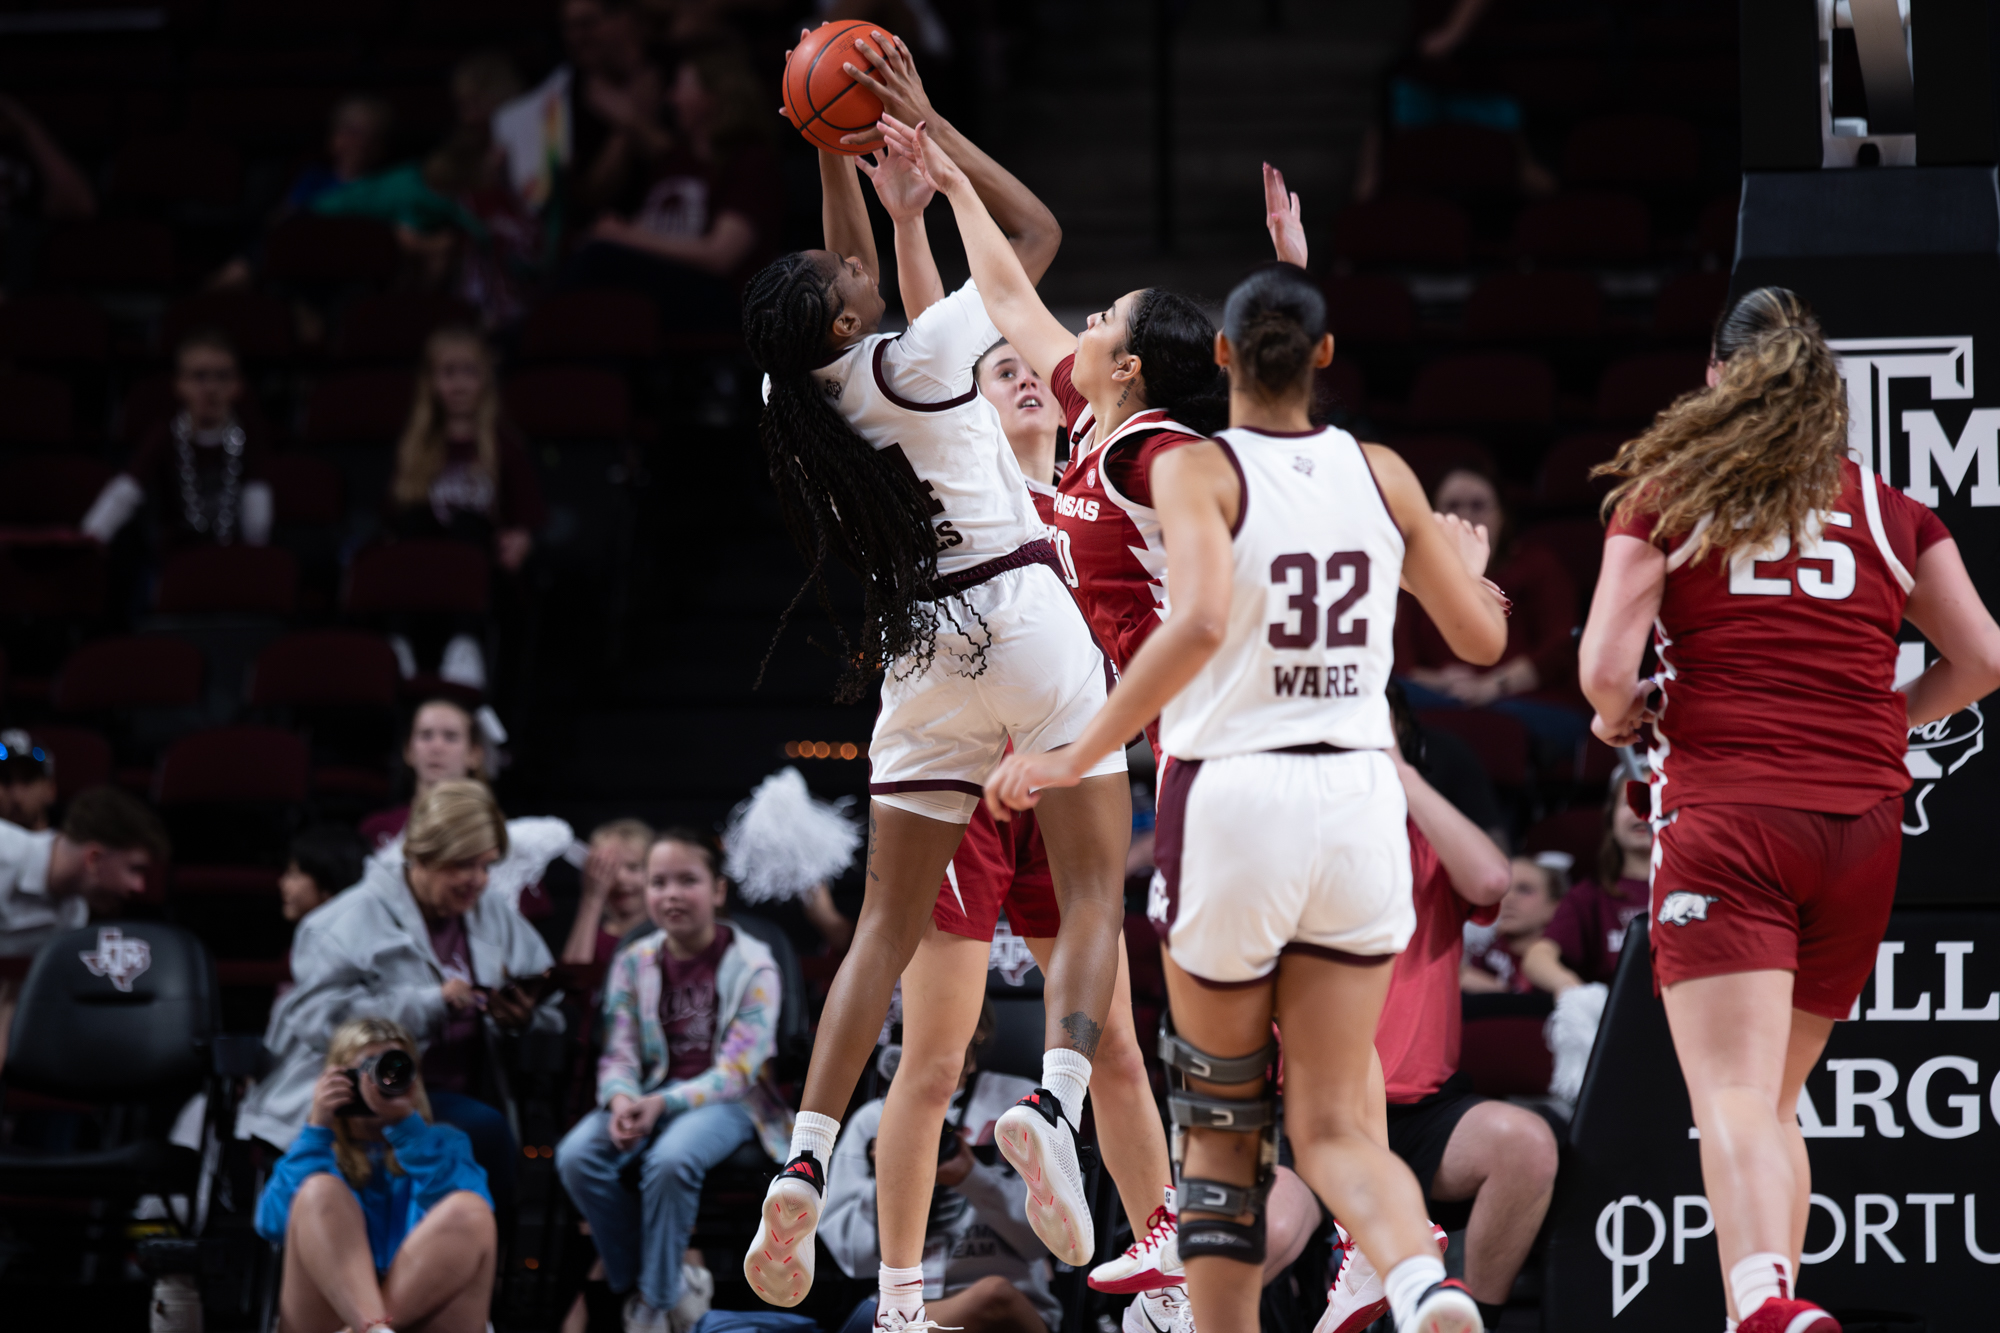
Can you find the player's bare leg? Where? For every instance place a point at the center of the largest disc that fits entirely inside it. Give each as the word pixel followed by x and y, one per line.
pixel 1744 1052
pixel 1087 830
pixel 907 855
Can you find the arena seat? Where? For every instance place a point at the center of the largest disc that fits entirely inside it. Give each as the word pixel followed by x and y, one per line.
pixel 111 254
pixel 1450 159
pixel 326 667
pixel 1565 481
pixel 1577 831
pixel 392 326
pixel 231 795
pixel 367 407
pixel 260 117
pixel 82 756
pixel 1340 385
pixel 236 580
pixel 129 671
pixel 1584 228
pixel 1579 544
pixel 1431 457
pixel 1635 148
pixel 1636 388
pixel 1689 304
pixel 435 575
pixel 1514 307
pixel 570 403
pixel 34 409
pixel 309 250
pixel 60 581
pixel 176 169
pixel 1403 229
pixel 1506 1056
pixel 600 324
pixel 53 327
pixel 260 326
pixel 306 491
pixel 1371 309
pixel 1479 388
pixel 1501 742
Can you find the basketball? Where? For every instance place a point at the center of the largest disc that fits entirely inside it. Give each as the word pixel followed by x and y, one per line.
pixel 820 99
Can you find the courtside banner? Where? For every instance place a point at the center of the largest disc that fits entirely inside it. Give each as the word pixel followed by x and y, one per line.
pixel 1902 1125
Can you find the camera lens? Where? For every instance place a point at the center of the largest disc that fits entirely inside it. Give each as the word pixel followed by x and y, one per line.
pixel 393 1072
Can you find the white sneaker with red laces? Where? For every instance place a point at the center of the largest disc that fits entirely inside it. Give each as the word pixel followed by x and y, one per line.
pixel 1356 1297
pixel 1150 1262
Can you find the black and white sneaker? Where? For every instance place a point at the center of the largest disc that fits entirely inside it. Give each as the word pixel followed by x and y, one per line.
pixel 1447 1307
pixel 1036 1139
pixel 779 1266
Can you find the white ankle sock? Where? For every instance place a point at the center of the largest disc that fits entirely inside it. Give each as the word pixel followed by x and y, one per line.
pixel 1406 1283
pixel 815 1133
pixel 1066 1073
pixel 1757 1278
pixel 902 1289
pixel 1728 1324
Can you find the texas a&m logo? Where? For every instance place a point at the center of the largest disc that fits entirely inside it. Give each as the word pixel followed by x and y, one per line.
pixel 117 958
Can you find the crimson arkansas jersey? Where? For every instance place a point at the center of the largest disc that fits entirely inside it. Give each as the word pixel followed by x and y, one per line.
pixel 1107 533
pixel 1777 667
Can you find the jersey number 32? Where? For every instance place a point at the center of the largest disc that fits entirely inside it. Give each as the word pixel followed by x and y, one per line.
pixel 1298 573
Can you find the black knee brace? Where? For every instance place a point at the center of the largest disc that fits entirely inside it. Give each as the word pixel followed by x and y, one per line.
pixel 1220 1236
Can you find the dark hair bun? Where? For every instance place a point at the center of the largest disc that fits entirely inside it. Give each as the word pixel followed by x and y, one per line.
pixel 1274 319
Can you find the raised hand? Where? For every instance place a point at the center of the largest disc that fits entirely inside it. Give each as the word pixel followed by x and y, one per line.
pixel 917 145
pixel 1281 218
pixel 900 182
pixel 1470 540
pixel 893 78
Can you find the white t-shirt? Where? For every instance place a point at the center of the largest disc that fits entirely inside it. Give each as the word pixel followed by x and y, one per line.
pixel 28 916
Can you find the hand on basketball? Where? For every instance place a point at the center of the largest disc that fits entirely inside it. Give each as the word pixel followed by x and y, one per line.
pixel 1281 217
pixel 893 78
pixel 917 145
pixel 1021 779
pixel 900 182
pixel 1625 730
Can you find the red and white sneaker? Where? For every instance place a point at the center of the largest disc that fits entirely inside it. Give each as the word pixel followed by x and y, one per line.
pixel 1150 1262
pixel 1356 1299
pixel 1778 1315
pixel 779 1266
pixel 1037 1141
pixel 1446 1308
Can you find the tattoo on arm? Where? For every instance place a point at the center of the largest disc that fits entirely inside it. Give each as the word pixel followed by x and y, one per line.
pixel 872 874
pixel 1082 1033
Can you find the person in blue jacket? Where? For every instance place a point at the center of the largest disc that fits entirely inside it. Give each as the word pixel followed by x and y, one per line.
pixel 385 1217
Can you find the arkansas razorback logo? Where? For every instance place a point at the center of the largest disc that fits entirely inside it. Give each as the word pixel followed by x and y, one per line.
pixel 1681 908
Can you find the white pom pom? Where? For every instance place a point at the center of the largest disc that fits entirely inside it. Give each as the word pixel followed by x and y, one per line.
pixel 781 842
pixel 1570 1032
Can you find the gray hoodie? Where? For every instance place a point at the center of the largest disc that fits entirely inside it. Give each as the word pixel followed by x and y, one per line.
pixel 367 953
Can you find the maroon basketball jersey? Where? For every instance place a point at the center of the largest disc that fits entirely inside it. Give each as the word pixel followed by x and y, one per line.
pixel 1777 667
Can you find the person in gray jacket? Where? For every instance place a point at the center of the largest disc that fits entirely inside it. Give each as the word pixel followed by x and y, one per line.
pixel 419 942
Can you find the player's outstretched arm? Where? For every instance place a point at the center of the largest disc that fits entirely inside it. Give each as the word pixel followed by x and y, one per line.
pixel 1471 618
pixel 1946 607
pixel 1627 600
pixel 844 213
pixel 905 191
pixel 1282 219
pixel 1027 222
pixel 1005 288
pixel 1197 494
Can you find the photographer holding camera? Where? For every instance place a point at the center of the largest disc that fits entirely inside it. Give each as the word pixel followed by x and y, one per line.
pixel 385 1217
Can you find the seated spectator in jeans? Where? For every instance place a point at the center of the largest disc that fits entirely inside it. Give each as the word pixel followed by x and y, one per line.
pixel 203 471
pixel 691 1015
pixel 443 744
pixel 384 1215
pixel 1512 957
pixel 984 1269
pixel 1535 680
pixel 325 859
pixel 416 941
pixel 27 781
pixel 1586 936
pixel 704 203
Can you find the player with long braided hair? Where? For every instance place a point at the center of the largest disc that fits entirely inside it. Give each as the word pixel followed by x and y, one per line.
pixel 885 455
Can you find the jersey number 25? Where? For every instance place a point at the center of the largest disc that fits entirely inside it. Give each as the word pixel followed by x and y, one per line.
pixel 1300 627
pixel 1834 586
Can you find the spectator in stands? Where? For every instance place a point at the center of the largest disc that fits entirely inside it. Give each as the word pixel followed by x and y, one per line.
pixel 385 1217
pixel 418 941
pixel 39 184
pixel 1535 680
pixel 613 901
pixel 994 1276
pixel 27 781
pixel 202 469
pixel 444 744
pixel 1587 934
pixel 1501 962
pixel 357 144
pixel 704 201
pixel 325 859
pixel 502 250
pixel 691 1017
pixel 617 102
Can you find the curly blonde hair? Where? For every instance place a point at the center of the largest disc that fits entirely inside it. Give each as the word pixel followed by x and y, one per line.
pixel 350 1039
pixel 1758 452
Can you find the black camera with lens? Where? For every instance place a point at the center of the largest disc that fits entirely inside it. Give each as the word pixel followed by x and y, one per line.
pixel 392 1071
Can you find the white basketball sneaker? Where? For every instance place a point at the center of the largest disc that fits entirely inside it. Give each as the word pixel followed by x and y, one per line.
pixel 1163 1311
pixel 1150 1262
pixel 779 1266
pixel 895 1321
pixel 1036 1139
pixel 1356 1297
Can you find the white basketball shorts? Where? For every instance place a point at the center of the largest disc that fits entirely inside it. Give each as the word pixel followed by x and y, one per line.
pixel 1038 682
pixel 1264 854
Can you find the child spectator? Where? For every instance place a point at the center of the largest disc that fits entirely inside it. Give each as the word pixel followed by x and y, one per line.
pixel 1534 891
pixel 691 1015
pixel 357 144
pixel 614 892
pixel 443 744
pixel 27 781
pixel 326 858
pixel 1587 933
pixel 993 1273
pixel 385 1217
pixel 203 470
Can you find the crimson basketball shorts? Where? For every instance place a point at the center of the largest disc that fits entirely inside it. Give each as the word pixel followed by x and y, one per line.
pixel 999 866
pixel 1749 888
pixel 1264 854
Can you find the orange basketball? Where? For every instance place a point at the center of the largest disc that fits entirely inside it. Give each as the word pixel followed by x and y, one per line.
pixel 820 99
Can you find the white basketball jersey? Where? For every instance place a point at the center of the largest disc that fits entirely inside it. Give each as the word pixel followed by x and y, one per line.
pixel 912 395
pixel 1311 622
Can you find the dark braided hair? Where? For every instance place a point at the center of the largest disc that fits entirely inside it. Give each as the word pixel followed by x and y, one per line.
pixel 839 495
pixel 1175 344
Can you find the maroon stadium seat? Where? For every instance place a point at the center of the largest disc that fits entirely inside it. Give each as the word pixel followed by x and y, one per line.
pixel 1565 481
pixel 1500 741
pixel 50 489
pixel 1432 457
pixel 260 326
pixel 238 580
pixel 359 407
pixel 34 408
pixel 1450 159
pixel 1576 542
pixel 305 490
pixel 1715 230
pixel 1514 306
pixel 62 581
pixel 1577 832
pixel 119 254
pixel 229 765
pixel 392 326
pixel 1639 148
pixel 1689 303
pixel 598 324
pixel 1340 385
pixel 1371 309
pixel 1510 388
pixel 326 668
pixel 1637 387
pixel 570 403
pixel 308 249
pixel 1403 229
pixel 1584 228
pixel 83 758
pixel 53 327
pixel 129 671
pixel 430 575
pixel 1505 1056
pixel 177 169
